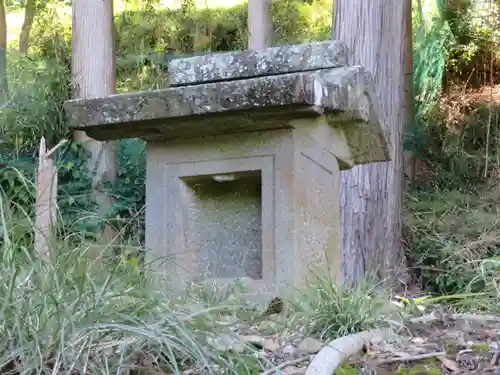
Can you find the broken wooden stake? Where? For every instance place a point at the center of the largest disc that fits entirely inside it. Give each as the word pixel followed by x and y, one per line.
pixel 46 199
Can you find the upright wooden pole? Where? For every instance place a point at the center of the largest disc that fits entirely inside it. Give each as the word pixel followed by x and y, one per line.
pixel 94 74
pixel 259 24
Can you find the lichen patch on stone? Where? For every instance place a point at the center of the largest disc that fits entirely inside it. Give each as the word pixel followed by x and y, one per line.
pixel 247 64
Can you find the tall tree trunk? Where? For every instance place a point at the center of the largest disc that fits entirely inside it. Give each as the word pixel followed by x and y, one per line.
pixel 94 72
pixel 4 87
pixel 259 24
pixel 409 158
pixel 372 195
pixel 29 17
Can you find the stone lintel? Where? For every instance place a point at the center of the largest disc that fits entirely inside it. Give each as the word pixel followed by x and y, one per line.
pixel 343 95
pixel 226 66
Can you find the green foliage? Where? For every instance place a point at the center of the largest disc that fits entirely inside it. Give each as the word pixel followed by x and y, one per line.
pixel 50 39
pixel 129 191
pixel 451 220
pixel 452 233
pixel 452 226
pixel 215 29
pixel 144 36
pixel 329 312
pixel 430 51
pixel 39 89
pixel 449 44
pixel 17 202
pixel 75 202
pixel 475 27
pixel 81 314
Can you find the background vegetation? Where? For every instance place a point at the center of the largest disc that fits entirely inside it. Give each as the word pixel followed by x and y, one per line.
pixel 53 314
pixel 452 221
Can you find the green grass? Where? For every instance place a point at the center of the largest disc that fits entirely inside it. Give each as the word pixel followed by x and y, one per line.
pixel 329 312
pixel 452 233
pixel 84 312
pixel 73 314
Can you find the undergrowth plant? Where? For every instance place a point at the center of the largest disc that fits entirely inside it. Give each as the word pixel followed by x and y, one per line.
pixel 451 226
pixel 452 233
pixel 451 218
pixel 328 311
pixel 78 312
pixel 76 205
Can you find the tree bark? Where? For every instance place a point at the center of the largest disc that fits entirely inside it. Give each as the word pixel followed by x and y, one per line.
pixel 409 157
pixel 259 24
pixel 94 74
pixel 372 195
pixel 4 86
pixel 29 17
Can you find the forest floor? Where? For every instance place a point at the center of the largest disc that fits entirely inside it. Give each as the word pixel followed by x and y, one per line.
pixel 440 343
pixel 436 343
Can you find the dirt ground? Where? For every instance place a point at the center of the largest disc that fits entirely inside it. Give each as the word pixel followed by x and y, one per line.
pixel 437 343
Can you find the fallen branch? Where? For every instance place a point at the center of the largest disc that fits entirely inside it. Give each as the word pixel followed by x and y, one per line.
pixel 292 362
pixel 411 358
pixel 337 351
pixel 433 318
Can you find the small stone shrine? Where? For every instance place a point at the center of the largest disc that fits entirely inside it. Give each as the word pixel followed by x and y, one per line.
pixel 244 153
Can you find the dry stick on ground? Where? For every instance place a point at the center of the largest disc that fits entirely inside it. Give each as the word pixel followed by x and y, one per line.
pixel 287 363
pixel 411 358
pixel 477 318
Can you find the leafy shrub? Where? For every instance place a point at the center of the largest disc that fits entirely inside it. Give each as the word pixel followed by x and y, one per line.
pixel 216 29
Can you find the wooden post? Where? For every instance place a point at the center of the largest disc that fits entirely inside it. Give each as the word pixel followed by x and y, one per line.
pixel 260 24
pixel 46 199
pixel 94 75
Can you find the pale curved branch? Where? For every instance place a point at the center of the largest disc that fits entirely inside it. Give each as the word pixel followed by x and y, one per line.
pixel 337 351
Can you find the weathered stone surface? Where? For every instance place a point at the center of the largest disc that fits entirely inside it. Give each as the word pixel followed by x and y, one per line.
pixel 243 176
pixel 249 64
pixel 343 94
